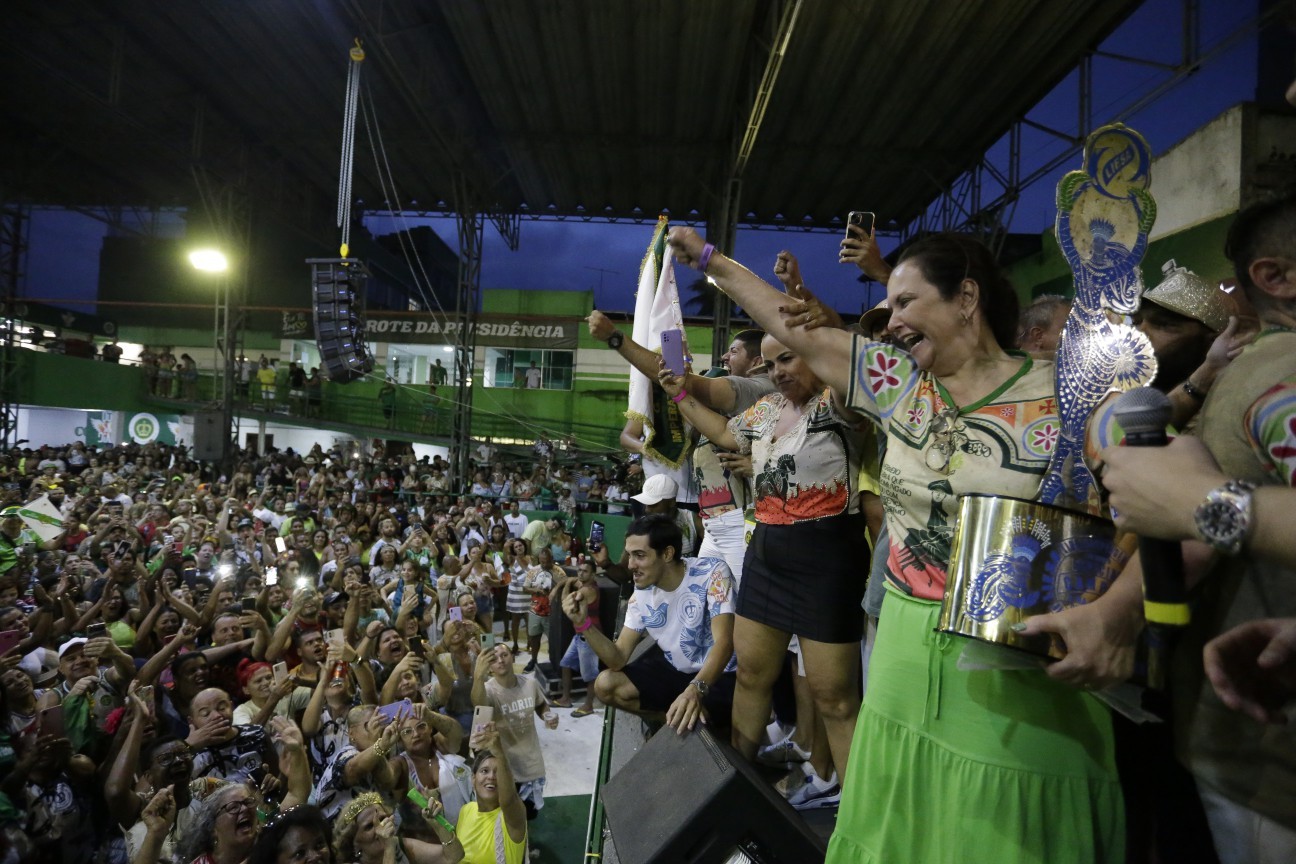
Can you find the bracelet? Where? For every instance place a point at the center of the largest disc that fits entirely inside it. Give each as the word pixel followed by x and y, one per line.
pixel 680 396
pixel 581 628
pixel 1193 390
pixel 705 258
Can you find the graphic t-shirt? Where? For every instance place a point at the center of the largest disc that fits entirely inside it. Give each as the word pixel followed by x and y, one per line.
pixel 680 620
pixel 719 490
pixel 937 451
pixel 811 471
pixel 515 718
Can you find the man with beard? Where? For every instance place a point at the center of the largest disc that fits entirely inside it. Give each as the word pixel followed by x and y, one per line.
pixel 1193 334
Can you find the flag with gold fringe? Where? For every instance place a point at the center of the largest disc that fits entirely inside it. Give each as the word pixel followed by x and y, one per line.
pixel 657 308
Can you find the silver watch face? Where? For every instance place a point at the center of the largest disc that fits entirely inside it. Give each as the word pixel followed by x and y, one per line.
pixel 1221 523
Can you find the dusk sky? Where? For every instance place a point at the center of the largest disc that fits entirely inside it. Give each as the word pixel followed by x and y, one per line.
pixel 63 258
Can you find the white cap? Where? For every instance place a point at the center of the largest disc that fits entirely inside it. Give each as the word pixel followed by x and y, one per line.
pixel 658 488
pixel 70 644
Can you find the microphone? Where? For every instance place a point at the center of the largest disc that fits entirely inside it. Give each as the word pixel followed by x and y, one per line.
pixel 1144 413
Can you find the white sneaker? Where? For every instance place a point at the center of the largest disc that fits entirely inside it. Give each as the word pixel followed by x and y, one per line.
pixel 817 793
pixel 776 731
pixel 782 753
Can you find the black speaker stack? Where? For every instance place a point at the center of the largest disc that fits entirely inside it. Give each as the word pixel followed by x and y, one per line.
pixel 693 800
pixel 338 286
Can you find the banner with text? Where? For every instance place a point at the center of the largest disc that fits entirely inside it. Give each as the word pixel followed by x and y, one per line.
pixel 490 330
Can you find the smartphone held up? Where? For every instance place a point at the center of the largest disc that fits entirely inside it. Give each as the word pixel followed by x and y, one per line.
pixel 865 219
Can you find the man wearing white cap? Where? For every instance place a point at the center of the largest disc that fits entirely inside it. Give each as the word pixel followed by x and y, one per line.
pixel 658 497
pixel 80 675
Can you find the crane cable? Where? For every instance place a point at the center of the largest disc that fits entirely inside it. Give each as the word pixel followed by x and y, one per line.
pixel 357 56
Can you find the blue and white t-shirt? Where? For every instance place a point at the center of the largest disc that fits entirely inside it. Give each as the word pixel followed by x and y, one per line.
pixel 680 620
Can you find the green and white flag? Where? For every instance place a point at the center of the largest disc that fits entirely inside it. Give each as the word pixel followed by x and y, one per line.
pixel 42 517
pixel 657 308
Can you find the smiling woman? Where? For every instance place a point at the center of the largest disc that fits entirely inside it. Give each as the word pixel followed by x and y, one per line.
pixel 800 572
pixel 961 415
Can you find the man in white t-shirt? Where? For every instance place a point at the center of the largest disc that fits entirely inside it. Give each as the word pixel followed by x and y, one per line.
pixel 515 521
pixel 687 606
pixel 533 377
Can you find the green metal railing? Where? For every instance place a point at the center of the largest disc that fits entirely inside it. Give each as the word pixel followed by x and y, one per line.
pixel 413 415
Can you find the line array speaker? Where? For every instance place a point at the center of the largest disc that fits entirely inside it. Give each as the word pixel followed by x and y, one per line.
pixel 338 286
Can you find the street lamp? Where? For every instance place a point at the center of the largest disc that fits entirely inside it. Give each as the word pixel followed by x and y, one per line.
pixel 214 261
pixel 209 260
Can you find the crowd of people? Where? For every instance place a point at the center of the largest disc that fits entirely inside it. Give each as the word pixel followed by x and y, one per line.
pixel 310 659
pixel 225 669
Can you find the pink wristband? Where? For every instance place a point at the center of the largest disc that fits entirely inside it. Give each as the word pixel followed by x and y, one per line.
pixel 581 628
pixel 679 397
pixel 705 258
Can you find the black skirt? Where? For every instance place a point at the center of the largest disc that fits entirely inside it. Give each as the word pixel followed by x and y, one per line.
pixel 808 578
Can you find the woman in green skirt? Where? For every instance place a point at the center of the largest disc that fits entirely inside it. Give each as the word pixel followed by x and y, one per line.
pixel 951 765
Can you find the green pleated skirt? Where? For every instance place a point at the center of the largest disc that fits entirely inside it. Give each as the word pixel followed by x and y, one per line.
pixel 954 766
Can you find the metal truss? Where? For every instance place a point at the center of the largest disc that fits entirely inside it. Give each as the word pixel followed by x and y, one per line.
pixel 15 220
pixel 983 199
pixel 227 207
pixel 765 61
pixel 471 228
pixel 138 221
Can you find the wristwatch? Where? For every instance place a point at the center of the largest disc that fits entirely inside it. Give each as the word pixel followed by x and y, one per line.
pixel 1224 519
pixel 614 341
pixel 701 686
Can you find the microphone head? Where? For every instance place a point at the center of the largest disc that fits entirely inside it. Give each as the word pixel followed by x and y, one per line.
pixel 1143 410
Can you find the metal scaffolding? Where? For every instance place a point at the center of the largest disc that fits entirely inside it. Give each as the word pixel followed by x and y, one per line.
pixel 15 220
pixel 471 227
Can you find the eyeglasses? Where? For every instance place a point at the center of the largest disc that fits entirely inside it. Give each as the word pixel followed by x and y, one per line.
pixel 176 757
pixel 248 803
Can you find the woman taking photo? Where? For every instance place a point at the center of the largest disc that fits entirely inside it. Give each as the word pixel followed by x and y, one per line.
pixel 1033 757
pixel 801 573
pixel 494 827
pixel 431 759
pixel 478 576
pixel 367 834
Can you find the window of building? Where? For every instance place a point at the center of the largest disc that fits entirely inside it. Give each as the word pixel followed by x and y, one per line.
pixel 529 368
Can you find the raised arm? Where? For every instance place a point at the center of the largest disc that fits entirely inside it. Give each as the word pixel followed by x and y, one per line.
pixel 515 820
pixel 602 329
pixel 615 654
pixel 827 351
pixel 711 424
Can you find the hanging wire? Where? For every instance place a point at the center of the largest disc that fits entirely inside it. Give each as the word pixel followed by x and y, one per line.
pixel 379 150
pixel 348 146
pixel 414 262
pixel 382 166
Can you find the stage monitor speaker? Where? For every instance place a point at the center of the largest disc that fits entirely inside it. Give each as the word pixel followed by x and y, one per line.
pixel 337 286
pixel 209 436
pixel 694 800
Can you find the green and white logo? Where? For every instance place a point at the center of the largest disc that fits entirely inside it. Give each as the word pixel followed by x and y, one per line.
pixel 144 428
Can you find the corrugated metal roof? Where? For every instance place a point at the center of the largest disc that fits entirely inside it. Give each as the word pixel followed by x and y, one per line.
pixel 568 107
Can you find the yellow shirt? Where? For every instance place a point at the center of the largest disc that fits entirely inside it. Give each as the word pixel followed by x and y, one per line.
pixel 482 834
